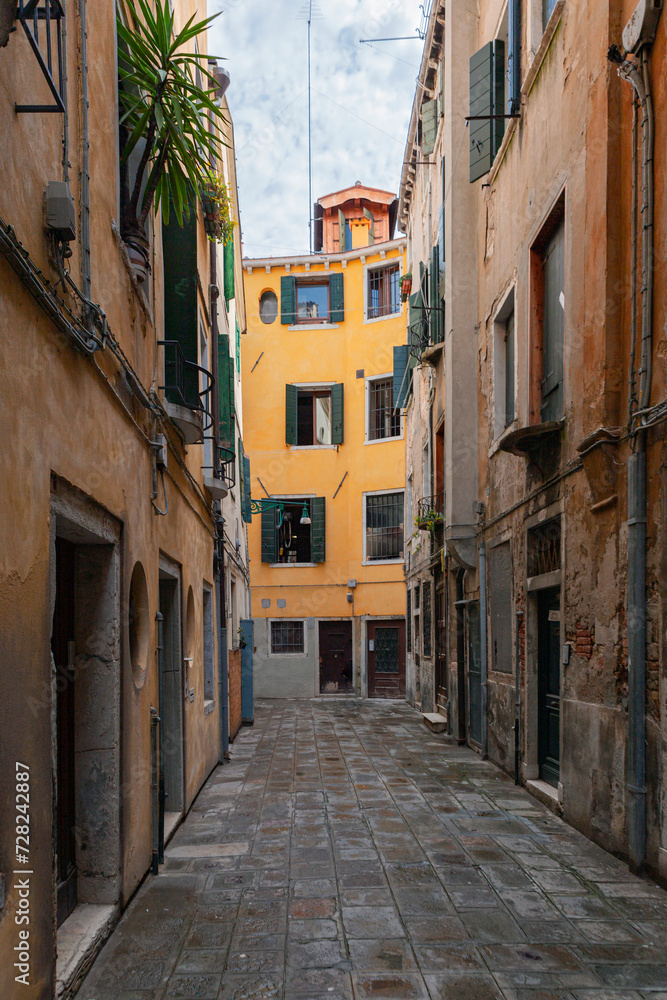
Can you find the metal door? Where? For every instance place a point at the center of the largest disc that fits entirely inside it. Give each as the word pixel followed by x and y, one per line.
pixel 386 659
pixel 247 650
pixel 336 657
pixel 62 645
pixel 474 673
pixel 548 674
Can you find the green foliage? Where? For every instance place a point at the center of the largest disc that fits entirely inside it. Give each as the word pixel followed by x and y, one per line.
pixel 428 520
pixel 218 209
pixel 163 101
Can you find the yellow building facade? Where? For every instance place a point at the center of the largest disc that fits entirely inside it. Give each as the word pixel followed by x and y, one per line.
pixel 325 443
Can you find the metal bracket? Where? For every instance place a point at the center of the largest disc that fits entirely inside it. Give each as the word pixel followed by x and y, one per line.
pixel 30 14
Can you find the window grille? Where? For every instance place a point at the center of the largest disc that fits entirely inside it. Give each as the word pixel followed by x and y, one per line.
pixel 383 291
pixel 408 624
pixel 384 526
pixel 383 420
pixel 544 548
pixel 287 637
pixel 43 27
pixel 427 643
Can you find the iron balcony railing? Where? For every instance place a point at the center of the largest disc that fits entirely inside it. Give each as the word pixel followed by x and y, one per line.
pixel 183 380
pixel 431 511
pixel 225 470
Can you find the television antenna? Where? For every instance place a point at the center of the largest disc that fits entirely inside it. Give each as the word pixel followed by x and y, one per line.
pixel 310 12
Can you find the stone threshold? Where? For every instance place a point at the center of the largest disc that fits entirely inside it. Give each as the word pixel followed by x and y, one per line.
pixel 78 941
pixel 435 722
pixel 546 794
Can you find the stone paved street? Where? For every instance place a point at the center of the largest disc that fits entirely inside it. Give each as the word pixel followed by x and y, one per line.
pixel 347 852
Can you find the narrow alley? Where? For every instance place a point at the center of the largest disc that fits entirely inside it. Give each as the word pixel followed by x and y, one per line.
pixel 347 851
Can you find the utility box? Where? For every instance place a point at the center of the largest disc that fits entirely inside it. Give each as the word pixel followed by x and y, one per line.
pixel 642 26
pixel 60 215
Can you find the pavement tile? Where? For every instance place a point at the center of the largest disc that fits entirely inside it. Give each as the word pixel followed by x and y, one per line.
pixel 448 958
pixel 382 955
pixel 389 986
pixel 372 921
pixel 190 986
pixel 462 987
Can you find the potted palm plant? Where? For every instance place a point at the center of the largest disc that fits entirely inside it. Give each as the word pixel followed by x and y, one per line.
pixel 167 112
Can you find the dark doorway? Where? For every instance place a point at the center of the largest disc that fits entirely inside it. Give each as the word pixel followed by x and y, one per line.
pixel 548 682
pixel 474 673
pixel 172 697
pixel 440 644
pixel 62 646
pixel 336 657
pixel 386 659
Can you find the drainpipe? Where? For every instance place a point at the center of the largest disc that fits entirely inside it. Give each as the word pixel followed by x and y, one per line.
pixel 223 678
pixel 483 640
pixel 638 77
pixel 161 793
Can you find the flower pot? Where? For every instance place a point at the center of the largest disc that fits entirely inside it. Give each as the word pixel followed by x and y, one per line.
pixel 138 251
pixel 211 214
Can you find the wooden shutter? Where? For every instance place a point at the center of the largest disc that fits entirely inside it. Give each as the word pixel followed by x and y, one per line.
pixel 318 530
pixel 229 268
pixel 342 243
pixel 269 536
pixel 291 396
pixel 513 56
pixel 500 601
pixel 371 232
pixel 238 347
pixel 246 511
pixel 487 88
pixel 429 126
pixel 401 375
pixel 553 275
pixel 336 298
pixel 436 302
pixel 288 300
pixel 180 308
pixel 337 414
pixel 318 227
pixel 225 395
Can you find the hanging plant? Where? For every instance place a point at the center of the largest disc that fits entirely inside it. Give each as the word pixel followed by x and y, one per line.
pixel 428 521
pixel 164 104
pixel 217 208
pixel 406 286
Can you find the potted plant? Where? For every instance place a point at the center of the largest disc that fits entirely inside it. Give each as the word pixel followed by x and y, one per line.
pixel 164 105
pixel 428 521
pixel 406 286
pixel 217 209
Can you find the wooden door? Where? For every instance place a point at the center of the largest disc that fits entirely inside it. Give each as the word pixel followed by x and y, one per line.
pixel 386 659
pixel 62 645
pixel 336 663
pixel 548 678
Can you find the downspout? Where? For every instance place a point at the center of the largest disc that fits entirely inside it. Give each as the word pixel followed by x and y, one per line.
pixel 638 77
pixel 482 643
pixel 517 699
pixel 223 678
pixel 85 159
pixel 161 791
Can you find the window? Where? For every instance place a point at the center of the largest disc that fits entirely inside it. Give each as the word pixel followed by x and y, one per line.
pixel 548 319
pixel 209 672
pixel 287 637
pixel 547 11
pixel 293 542
pixel 384 526
pixel 314 416
pixel 268 307
pixel 408 623
pixel 504 378
pixel 500 601
pixel 383 292
pixel 310 301
pixel 427 643
pixel 383 420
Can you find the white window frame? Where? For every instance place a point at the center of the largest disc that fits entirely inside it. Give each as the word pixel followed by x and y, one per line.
pixel 397 561
pixel 506 308
pixel 367 409
pixel 378 265
pixel 279 656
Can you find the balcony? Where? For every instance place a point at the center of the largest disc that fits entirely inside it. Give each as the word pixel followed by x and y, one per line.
pixel 187 388
pixel 430 513
pixel 220 479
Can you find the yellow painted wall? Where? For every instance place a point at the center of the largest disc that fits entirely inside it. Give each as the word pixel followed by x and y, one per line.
pixel 321 355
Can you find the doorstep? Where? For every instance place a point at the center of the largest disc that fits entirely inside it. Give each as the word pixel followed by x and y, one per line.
pixel 78 941
pixel 436 723
pixel 546 794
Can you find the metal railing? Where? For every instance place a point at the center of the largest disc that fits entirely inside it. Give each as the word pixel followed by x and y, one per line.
pixel 49 49
pixel 432 508
pixel 182 381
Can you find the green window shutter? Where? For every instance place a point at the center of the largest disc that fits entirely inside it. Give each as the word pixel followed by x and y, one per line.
pixel 238 347
pixel 288 299
pixel 229 269
pixel 487 91
pixel 180 309
pixel 342 246
pixel 401 375
pixel 225 395
pixel 336 298
pixel 318 530
pixel 246 511
pixel 429 125
pixel 291 396
pixel 337 414
pixel 436 302
pixel 230 378
pixel 371 232
pixel 269 536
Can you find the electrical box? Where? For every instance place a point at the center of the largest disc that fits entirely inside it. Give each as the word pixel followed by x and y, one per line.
pixel 642 26
pixel 161 451
pixel 60 214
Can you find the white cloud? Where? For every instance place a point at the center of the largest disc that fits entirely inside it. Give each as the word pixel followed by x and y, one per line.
pixel 361 102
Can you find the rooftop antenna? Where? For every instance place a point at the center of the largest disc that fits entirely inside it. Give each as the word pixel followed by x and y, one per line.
pixel 309 12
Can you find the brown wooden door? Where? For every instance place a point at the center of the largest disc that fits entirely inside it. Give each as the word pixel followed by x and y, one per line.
pixel 386 659
pixel 62 645
pixel 336 657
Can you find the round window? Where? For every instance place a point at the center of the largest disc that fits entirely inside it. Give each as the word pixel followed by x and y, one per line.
pixel 139 624
pixel 268 307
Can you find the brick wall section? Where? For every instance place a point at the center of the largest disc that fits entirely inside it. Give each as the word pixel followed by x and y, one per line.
pixel 585 641
pixel 234 692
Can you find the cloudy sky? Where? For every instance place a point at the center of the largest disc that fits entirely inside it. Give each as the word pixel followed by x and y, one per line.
pixel 361 103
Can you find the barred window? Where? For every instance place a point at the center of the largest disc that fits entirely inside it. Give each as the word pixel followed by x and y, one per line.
pixel 287 637
pixel 383 420
pixel 427 644
pixel 383 291
pixel 384 526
